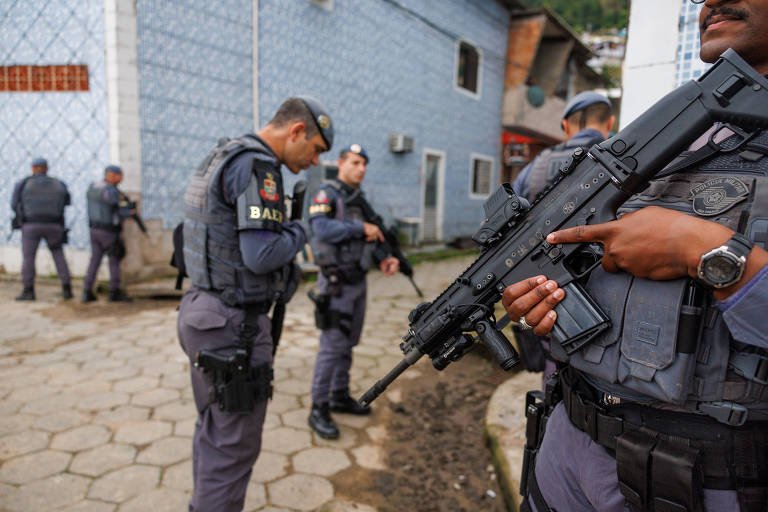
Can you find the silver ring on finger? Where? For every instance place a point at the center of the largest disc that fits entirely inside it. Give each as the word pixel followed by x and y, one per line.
pixel 523 324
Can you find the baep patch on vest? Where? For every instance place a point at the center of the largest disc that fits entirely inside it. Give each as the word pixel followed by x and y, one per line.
pixel 718 195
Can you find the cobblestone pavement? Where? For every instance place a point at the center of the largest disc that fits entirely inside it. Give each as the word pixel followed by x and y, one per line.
pixel 96 412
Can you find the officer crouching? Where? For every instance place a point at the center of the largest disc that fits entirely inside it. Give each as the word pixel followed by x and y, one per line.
pixel 38 203
pixel 107 209
pixel 345 243
pixel 238 252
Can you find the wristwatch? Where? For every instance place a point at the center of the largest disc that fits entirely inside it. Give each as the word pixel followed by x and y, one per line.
pixel 724 265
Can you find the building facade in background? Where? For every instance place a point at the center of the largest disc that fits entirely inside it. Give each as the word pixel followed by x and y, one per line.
pixel 419 84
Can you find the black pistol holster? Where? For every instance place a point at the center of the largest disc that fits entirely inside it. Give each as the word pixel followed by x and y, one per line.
pixel 237 386
pixel 327 318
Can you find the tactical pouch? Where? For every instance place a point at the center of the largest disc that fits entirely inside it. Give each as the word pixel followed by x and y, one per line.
pixel 676 478
pixel 322 304
pixel 633 465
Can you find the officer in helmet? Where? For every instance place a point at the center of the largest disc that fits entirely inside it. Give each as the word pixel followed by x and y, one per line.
pixel 587 120
pixel 38 203
pixel 107 209
pixel 238 252
pixel 668 408
pixel 345 243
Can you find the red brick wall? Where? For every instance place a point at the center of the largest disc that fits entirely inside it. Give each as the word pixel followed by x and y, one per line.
pixel 524 37
pixel 22 78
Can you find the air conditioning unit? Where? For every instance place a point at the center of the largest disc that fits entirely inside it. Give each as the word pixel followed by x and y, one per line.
pixel 400 143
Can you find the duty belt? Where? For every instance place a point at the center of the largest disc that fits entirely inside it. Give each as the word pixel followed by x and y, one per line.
pixel 730 457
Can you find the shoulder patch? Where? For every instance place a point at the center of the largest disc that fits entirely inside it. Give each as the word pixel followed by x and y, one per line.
pixel 268 190
pixel 718 195
pixel 321 197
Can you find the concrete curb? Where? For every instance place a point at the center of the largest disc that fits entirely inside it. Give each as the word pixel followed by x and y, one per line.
pixel 505 432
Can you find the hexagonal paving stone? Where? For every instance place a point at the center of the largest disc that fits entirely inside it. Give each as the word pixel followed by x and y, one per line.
pixel 175 411
pixel 179 476
pixel 166 451
pixel 142 432
pixel 320 461
pixel 60 421
pixel 135 384
pixel 103 401
pixel 255 496
pixel 22 470
pixel 125 483
pixel 369 456
pixel 294 386
pixel 285 440
pixel 155 397
pixel 123 414
pixel 15 423
pixel 302 492
pixel 20 443
pixel 51 493
pixel 185 428
pixel 89 506
pixel 296 418
pixel 157 500
pixel 269 466
pixel 282 402
pixel 81 438
pixel 105 458
pixel 51 404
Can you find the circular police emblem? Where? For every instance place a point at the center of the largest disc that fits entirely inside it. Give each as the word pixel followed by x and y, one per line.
pixel 355 148
pixel 569 207
pixel 323 121
pixel 718 195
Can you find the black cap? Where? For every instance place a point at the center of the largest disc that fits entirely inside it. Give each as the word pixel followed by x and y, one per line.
pixel 356 149
pixel 39 162
pixel 321 117
pixel 113 168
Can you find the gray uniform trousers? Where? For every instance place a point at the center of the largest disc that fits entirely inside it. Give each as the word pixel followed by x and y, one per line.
pixel 53 234
pixel 225 445
pixel 101 241
pixel 334 358
pixel 575 474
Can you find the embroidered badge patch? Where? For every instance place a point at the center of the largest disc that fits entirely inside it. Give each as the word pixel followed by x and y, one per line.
pixel 321 197
pixel 269 188
pixel 718 195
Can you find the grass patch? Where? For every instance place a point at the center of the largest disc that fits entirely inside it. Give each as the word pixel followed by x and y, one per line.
pixel 441 254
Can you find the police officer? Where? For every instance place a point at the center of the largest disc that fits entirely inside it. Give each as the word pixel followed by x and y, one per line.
pixel 587 120
pixel 669 409
pixel 107 209
pixel 238 252
pixel 38 203
pixel 344 244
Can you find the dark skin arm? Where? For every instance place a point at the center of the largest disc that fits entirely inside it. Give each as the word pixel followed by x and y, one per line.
pixel 653 243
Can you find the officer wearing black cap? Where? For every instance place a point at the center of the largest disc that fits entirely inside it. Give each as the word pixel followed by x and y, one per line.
pixel 238 252
pixel 587 120
pixel 344 245
pixel 107 209
pixel 38 203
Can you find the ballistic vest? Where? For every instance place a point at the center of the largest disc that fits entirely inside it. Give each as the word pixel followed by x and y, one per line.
pixel 43 199
pixel 101 214
pixel 548 162
pixel 211 247
pixel 668 345
pixel 350 256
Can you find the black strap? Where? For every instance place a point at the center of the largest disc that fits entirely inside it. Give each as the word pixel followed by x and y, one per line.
pixel 534 492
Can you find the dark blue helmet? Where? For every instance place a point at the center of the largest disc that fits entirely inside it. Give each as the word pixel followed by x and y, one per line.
pixel 113 168
pixel 356 149
pixel 39 162
pixel 321 117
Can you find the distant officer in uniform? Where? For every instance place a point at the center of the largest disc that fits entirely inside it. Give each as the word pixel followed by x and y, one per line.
pixel 344 245
pixel 238 252
pixel 107 210
pixel 667 410
pixel 587 120
pixel 38 203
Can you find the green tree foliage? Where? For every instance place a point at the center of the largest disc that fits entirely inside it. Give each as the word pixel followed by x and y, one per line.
pixel 588 15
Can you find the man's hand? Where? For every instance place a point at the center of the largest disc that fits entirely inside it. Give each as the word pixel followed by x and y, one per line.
pixel 372 233
pixel 535 299
pixel 652 242
pixel 389 265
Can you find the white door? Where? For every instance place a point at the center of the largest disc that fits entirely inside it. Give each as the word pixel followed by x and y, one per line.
pixel 433 168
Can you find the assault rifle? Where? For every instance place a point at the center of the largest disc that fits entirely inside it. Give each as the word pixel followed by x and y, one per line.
pixel 131 205
pixel 391 243
pixel 590 187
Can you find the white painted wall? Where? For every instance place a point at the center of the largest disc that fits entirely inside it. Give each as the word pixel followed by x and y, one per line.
pixel 650 62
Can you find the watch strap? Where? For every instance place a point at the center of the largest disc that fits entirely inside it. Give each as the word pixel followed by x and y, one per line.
pixel 740 244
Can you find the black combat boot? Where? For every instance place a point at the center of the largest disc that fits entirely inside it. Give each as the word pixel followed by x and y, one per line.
pixel 321 422
pixel 88 296
pixel 28 293
pixel 342 402
pixel 118 295
pixel 66 291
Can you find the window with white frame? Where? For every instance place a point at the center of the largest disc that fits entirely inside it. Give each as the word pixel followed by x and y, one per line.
pixel 480 178
pixel 468 67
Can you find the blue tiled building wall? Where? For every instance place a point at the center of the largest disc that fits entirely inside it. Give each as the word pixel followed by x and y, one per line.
pixel 379 67
pixel 195 62
pixel 69 129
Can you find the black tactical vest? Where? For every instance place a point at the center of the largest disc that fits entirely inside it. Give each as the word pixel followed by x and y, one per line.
pixel 43 200
pixel 350 256
pixel 668 342
pixel 101 214
pixel 211 246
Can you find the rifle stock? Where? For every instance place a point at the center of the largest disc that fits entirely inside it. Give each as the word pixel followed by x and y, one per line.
pixel 589 189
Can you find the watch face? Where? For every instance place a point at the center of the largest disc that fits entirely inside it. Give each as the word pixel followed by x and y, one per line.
pixel 720 269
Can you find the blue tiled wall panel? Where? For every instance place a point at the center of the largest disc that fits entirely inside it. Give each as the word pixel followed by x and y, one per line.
pixel 69 129
pixel 380 68
pixel 195 63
